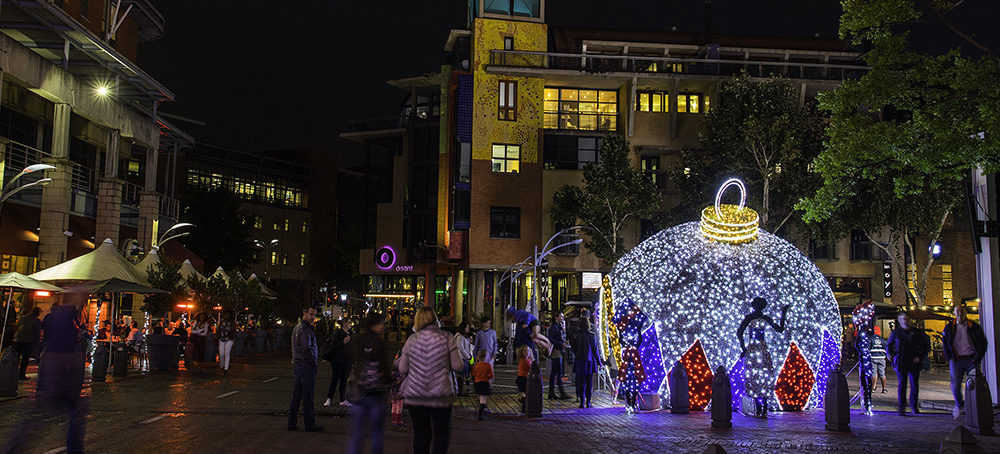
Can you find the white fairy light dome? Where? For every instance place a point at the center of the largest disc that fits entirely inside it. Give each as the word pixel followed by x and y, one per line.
pixel 695 282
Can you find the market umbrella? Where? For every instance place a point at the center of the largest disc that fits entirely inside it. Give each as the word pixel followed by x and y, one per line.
pixel 11 281
pixel 102 263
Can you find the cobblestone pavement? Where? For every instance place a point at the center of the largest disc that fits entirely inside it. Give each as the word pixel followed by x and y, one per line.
pixel 203 411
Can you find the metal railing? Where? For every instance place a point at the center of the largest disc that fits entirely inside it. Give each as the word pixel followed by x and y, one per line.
pixel 82 178
pixel 131 193
pixel 378 124
pixel 170 207
pixel 634 64
pixel 17 157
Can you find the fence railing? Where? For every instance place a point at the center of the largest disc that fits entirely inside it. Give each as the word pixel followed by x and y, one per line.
pixel 131 193
pixel 82 178
pixel 669 65
pixel 17 157
pixel 170 207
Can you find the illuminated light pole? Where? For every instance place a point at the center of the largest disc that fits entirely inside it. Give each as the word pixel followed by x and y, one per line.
pixel 9 189
pixel 167 236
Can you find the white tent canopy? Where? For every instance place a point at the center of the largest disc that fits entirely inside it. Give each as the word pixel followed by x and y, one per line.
pixel 100 264
pixel 188 271
pixel 221 273
pixel 263 288
pixel 142 268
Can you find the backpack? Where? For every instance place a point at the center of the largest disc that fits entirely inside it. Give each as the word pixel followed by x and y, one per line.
pixel 367 376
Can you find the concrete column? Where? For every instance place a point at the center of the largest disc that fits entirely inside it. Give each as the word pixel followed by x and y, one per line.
pixel 149 219
pixel 149 204
pixel 56 195
pixel 674 91
pixel 457 288
pixel 109 193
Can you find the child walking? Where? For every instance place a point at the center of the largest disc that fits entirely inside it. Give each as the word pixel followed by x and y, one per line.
pixel 482 373
pixel 523 368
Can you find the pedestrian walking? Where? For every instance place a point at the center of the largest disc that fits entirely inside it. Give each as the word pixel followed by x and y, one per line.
pixel 227 335
pixel 482 373
pixel 305 354
pixel 337 353
pixel 368 381
pixel 587 360
pixel 557 334
pixel 524 359
pixel 197 338
pixel 429 357
pixel 486 340
pixel 465 353
pixel 60 381
pixel 907 345
pixel 964 343
pixel 878 356
pixel 26 339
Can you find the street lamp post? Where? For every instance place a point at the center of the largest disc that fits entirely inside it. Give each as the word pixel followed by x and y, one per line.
pixel 167 236
pixel 9 189
pixel 267 259
pixel 538 257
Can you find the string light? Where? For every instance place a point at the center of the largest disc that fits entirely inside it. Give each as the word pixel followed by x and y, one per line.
pixel 609 332
pixel 736 383
pixel 732 224
pixel 694 288
pixel 631 374
pixel 652 363
pixel 699 376
pixel 795 382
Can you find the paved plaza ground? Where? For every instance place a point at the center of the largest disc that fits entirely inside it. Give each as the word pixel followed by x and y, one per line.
pixel 202 411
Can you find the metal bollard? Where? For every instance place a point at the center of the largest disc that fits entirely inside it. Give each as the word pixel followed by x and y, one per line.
pixel 100 363
pixel 8 373
pixel 120 361
pixel 722 402
pixel 978 403
pixel 837 402
pixel 680 396
pixel 533 392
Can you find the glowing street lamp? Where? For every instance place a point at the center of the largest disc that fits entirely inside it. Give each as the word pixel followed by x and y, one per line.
pixel 102 91
pixel 9 189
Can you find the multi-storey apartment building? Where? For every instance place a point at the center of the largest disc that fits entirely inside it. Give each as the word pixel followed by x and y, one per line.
pixel 520 108
pixel 290 198
pixel 73 97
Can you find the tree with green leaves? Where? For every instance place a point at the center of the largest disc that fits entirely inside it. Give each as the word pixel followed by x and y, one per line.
pixel 760 131
pixel 905 136
pixel 164 275
pixel 613 194
pixel 223 236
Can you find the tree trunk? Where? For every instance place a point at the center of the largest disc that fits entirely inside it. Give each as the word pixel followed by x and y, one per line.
pixel 766 200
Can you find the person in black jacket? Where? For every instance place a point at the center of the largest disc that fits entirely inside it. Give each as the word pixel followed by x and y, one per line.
pixel 965 346
pixel 908 345
pixel 340 362
pixel 304 359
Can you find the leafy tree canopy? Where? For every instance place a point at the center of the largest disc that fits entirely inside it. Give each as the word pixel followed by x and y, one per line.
pixel 223 233
pixel 612 195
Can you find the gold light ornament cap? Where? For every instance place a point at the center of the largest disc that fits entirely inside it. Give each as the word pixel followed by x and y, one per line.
pixel 733 224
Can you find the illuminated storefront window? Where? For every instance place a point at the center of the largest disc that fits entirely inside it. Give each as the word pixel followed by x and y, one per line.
pixel 588 110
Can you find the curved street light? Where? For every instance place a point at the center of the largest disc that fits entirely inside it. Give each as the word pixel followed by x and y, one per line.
pixel 7 192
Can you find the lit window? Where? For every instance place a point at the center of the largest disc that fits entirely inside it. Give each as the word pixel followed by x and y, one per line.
pixel 691 103
pixel 508 43
pixel 651 166
pixel 305 227
pixel 284 258
pixel 572 108
pixel 258 222
pixel 302 260
pixel 286 225
pixel 274 257
pixel 505 222
pixel 946 284
pixel 506 158
pixel 508 100
pixel 652 101
pixel 276 225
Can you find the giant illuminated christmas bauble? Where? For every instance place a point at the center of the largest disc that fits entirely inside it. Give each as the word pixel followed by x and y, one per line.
pixel 695 282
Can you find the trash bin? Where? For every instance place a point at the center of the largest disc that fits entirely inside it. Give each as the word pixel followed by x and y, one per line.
pixel 8 373
pixel 162 351
pixel 211 347
pixel 120 360
pixel 241 338
pixel 100 362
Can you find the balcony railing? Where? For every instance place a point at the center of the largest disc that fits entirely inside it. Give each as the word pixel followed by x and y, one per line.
pixel 82 178
pixel 18 156
pixel 131 193
pixel 170 207
pixel 378 124
pixel 634 64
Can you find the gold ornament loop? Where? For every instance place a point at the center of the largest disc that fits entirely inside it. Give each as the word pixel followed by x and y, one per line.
pixel 734 224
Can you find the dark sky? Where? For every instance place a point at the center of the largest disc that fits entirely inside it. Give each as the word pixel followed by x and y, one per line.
pixel 289 74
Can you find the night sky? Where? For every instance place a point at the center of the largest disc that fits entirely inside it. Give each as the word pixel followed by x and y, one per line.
pixel 278 75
